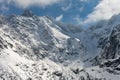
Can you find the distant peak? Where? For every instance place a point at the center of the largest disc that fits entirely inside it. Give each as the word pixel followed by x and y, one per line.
pixel 28 13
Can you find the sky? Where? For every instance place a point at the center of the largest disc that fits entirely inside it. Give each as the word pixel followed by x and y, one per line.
pixel 67 11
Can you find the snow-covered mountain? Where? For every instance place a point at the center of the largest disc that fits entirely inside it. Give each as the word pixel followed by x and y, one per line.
pixel 39 48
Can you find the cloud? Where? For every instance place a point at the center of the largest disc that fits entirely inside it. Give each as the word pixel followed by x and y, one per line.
pixel 28 3
pixel 59 18
pixel 81 9
pixel 104 11
pixel 78 20
pixel 4 8
pixel 83 0
pixel 0 1
pixel 67 7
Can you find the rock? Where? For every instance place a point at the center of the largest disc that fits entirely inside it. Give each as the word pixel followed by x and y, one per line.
pixel 57 73
pixel 29 79
pixel 27 13
pixel 76 71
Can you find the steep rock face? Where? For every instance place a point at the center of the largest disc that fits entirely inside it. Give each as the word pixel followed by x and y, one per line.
pixel 111 48
pixel 28 13
pixel 110 55
pixel 107 60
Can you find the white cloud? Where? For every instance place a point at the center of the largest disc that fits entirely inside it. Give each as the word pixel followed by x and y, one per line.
pixel 28 3
pixel 81 9
pixel 78 20
pixel 83 0
pixel 104 10
pixel 0 1
pixel 68 7
pixel 4 8
pixel 59 18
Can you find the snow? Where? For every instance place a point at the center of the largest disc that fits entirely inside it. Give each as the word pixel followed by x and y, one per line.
pixel 55 31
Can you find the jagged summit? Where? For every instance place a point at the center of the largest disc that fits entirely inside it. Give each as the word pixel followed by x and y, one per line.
pixel 27 13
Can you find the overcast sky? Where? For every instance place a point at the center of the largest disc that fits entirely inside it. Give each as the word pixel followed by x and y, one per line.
pixel 68 11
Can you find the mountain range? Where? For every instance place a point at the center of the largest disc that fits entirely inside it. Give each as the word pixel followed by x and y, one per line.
pixel 40 48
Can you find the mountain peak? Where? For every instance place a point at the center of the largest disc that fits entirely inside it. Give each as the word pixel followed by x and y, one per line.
pixel 28 13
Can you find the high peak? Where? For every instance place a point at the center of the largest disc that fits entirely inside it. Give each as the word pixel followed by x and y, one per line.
pixel 27 13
